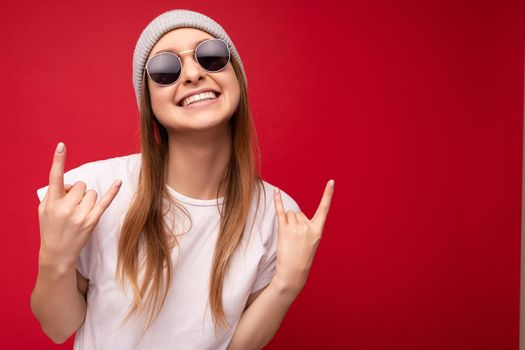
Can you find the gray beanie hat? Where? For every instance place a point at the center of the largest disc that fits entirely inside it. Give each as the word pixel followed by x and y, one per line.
pixel 166 22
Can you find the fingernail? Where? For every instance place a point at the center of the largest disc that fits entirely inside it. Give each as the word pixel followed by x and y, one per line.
pixel 60 147
pixel 276 190
pixel 118 182
pixel 331 183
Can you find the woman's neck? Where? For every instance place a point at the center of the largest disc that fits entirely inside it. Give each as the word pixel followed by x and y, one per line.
pixel 198 162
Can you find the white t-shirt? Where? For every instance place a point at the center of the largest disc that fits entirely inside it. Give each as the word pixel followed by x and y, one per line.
pixel 185 319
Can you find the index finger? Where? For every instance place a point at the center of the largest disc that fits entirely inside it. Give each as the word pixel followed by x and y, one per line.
pixel 324 206
pixel 56 174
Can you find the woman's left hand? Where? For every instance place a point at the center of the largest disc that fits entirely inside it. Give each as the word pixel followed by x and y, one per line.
pixel 298 238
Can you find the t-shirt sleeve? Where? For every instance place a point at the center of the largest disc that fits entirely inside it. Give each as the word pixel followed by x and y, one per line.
pixel 82 173
pixel 266 269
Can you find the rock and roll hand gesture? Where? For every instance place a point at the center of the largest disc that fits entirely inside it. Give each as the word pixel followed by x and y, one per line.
pixel 298 238
pixel 68 214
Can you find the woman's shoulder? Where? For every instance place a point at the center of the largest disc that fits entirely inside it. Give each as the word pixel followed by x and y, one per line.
pixel 114 163
pixel 106 170
pixel 100 174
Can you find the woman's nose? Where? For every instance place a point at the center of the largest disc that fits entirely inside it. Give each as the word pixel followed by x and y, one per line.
pixel 191 70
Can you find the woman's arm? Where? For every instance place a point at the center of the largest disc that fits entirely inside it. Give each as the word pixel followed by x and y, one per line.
pixel 58 301
pixel 298 238
pixel 261 320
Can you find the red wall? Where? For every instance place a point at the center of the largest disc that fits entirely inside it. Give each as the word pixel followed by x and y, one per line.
pixel 416 110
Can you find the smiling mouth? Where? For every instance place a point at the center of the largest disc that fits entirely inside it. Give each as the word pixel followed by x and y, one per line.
pixel 202 103
pixel 180 104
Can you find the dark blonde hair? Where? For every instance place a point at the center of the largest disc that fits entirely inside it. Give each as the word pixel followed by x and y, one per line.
pixel 144 230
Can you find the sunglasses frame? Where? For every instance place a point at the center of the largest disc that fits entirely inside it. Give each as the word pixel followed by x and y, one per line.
pixel 194 57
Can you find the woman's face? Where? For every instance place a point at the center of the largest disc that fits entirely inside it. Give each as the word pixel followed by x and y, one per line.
pixel 165 100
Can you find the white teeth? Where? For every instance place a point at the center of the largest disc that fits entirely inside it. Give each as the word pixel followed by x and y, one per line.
pixel 199 97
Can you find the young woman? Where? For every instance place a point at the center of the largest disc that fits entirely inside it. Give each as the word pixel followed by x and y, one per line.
pixel 190 248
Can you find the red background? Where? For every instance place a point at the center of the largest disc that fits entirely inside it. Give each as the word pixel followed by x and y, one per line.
pixel 414 108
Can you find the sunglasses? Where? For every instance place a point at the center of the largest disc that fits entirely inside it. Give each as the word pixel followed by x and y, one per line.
pixel 165 68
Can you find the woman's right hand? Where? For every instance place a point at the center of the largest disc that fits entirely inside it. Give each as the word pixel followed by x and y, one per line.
pixel 68 215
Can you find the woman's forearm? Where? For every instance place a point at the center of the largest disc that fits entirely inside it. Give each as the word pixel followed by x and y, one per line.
pixel 262 319
pixel 57 303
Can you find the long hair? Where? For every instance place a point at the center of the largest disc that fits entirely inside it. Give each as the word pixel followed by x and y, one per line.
pixel 144 232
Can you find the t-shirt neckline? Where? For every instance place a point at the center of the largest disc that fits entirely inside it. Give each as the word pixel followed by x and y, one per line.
pixel 194 201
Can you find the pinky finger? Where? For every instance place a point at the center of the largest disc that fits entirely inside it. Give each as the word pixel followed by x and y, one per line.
pixel 103 204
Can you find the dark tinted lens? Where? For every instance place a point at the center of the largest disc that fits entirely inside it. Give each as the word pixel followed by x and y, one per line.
pixel 213 55
pixel 164 68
